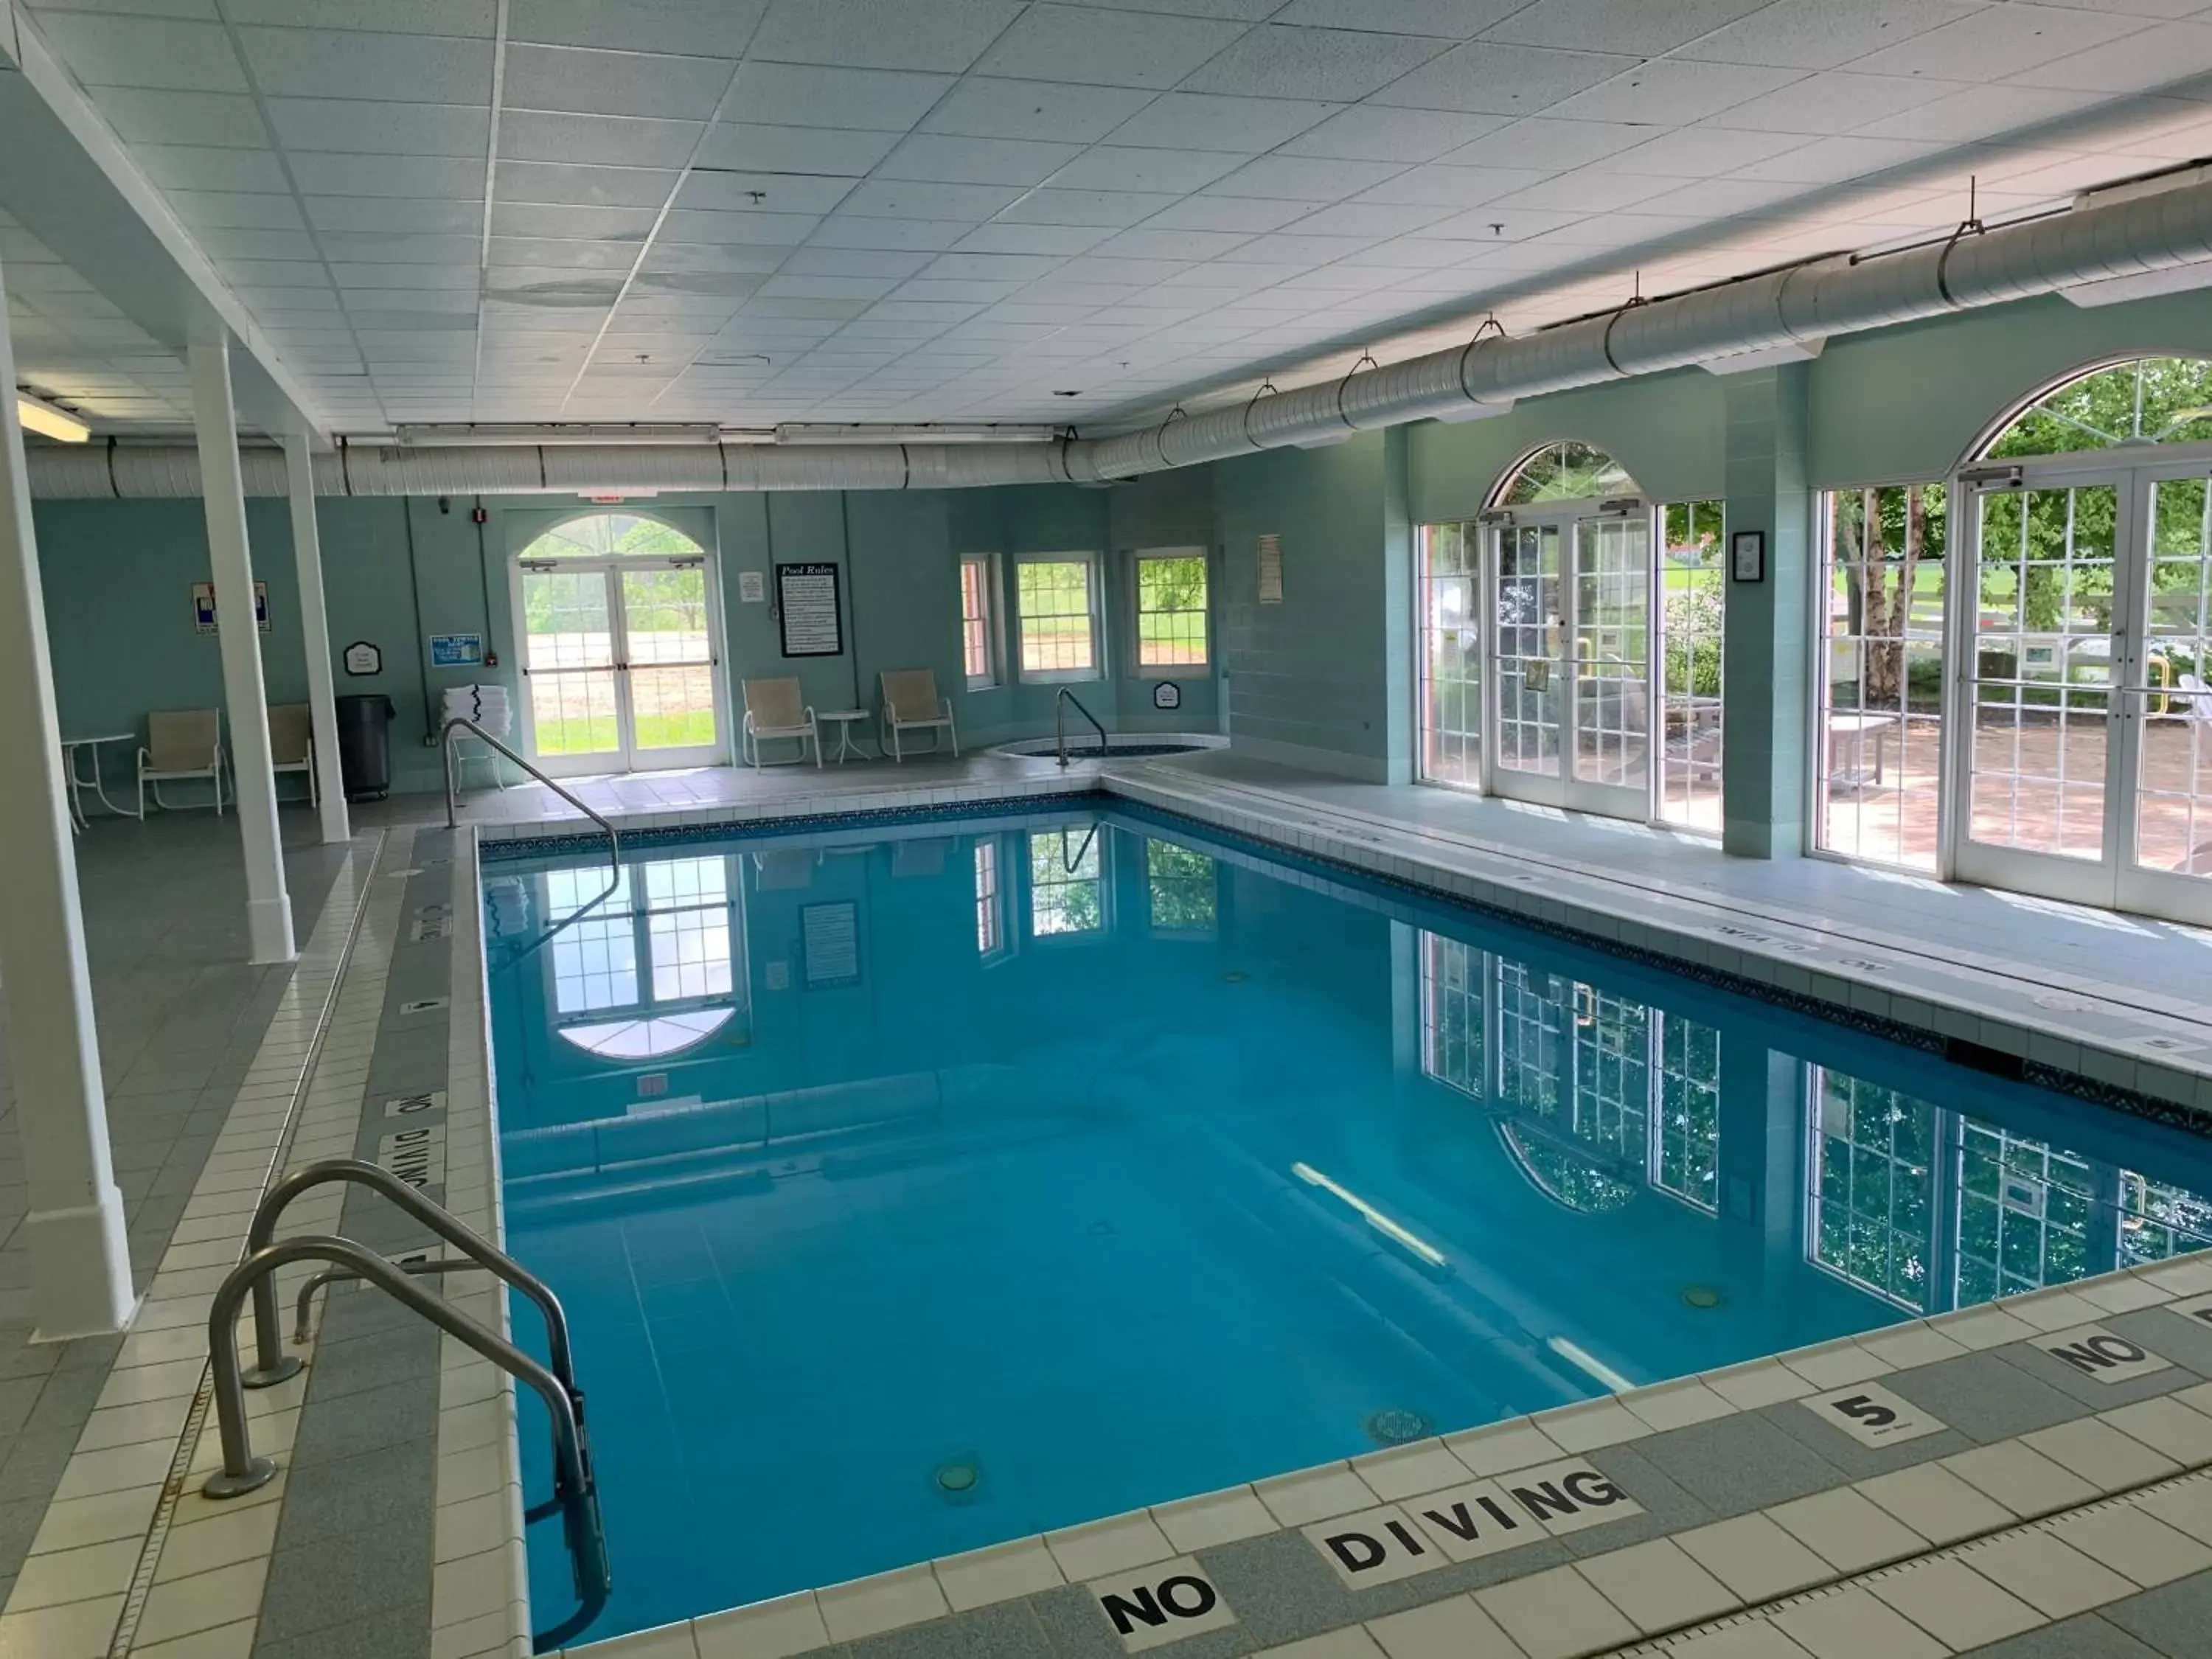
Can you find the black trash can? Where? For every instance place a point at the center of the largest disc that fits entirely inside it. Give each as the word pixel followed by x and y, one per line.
pixel 365 745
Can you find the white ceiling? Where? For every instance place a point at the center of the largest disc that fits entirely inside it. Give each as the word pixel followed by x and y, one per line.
pixel 758 210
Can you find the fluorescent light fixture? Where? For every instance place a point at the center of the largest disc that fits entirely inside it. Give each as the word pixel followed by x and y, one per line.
pixel 1589 1363
pixel 49 420
pixel 1742 363
pixel 2143 285
pixel 928 432
pixel 1373 1217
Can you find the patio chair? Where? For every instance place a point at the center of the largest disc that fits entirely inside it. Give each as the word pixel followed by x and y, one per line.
pixel 911 704
pixel 181 743
pixel 773 712
pixel 2195 702
pixel 292 744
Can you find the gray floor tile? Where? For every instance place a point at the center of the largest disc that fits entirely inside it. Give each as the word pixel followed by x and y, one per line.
pixel 2183 1340
pixel 1736 1464
pixel 2174 1618
pixel 1077 1630
pixel 1666 1506
pixel 402 1632
pixel 1858 1462
pixel 1008 1631
pixel 396 1420
pixel 2086 1637
pixel 1984 1397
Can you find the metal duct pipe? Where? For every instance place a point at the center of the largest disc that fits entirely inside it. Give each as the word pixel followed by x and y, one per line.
pixel 1803 303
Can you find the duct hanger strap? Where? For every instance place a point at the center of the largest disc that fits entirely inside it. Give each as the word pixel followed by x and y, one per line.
pixel 1267 390
pixel 1366 361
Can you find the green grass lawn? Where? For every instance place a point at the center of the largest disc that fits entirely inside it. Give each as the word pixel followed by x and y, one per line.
pixel 693 729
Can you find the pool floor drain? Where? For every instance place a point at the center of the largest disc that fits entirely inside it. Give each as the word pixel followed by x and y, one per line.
pixel 1234 978
pixel 1701 1296
pixel 957 1477
pixel 1395 1425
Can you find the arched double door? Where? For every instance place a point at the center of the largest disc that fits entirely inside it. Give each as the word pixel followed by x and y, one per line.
pixel 1548 672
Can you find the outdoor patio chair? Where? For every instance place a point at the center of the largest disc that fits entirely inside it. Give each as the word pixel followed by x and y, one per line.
pixel 773 712
pixel 292 744
pixel 911 704
pixel 181 743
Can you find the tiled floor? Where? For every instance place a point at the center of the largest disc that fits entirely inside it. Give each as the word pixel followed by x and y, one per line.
pixel 2041 1513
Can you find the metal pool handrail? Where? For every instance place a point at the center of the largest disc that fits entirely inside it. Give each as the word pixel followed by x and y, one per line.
pixel 242 1472
pixel 453 799
pixel 272 1365
pixel 1059 724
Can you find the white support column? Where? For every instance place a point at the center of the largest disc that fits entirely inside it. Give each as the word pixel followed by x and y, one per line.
pixel 80 1260
pixel 315 636
pixel 267 906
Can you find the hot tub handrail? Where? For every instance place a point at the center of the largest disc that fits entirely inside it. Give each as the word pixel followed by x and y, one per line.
pixel 272 1365
pixel 1060 725
pixel 452 795
pixel 242 1472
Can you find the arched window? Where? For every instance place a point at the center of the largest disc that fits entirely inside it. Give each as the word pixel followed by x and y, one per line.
pixel 2151 400
pixel 1565 472
pixel 613 536
pixel 1571 1179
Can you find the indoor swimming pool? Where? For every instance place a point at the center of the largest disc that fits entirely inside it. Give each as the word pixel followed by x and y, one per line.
pixel 915 1186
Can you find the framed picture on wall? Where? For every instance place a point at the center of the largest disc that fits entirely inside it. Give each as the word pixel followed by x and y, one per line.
pixel 1747 555
pixel 807 610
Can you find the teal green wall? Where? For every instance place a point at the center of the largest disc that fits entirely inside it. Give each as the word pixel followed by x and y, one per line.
pixel 119 574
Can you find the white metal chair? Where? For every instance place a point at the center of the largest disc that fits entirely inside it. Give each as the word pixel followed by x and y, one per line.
pixel 292 744
pixel 773 712
pixel 181 744
pixel 911 704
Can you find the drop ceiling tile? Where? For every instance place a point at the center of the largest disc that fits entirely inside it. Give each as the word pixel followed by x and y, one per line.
pixel 1667 91
pixel 1085 207
pixel 1837 101
pixel 1418 252
pixel 144 52
pixel 193 168
pixel 228 210
pixel 1081 44
pixel 594 224
pixel 1459 19
pixel 1276 61
pixel 1647 28
pixel 553 183
pixel 451 177
pixel 1818 35
pixel 1588 190
pixel 1289 248
pixel 409 69
pixel 911 199
pixel 275 273
pixel 1121 167
pixel 1970 112
pixel 952 160
pixel 598 140
pixel 2002 40
pixel 359 302
pixel 1192 120
pixel 1243 214
pixel 2154 57
pixel 1706 152
pixel 417 219
pixel 366 247
pixel 1369 218
pixel 681 27
pixel 985 108
pixel 392 16
pixel 1146 242
pixel 803 95
pixel 144 115
pixel 847 230
pixel 821 150
pixel 1549 145
pixel 1061 240
pixel 738 229
pixel 591 82
pixel 1439 186
pixel 1499 80
pixel 1720 198
pixel 944 34
pixel 371 127
pixel 1304 178
pixel 720 192
pixel 277 303
pixel 990 267
pixel 1372 132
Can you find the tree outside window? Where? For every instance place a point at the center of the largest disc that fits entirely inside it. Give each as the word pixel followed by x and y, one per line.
pixel 1067 891
pixel 1058 628
pixel 1172 610
pixel 1183 896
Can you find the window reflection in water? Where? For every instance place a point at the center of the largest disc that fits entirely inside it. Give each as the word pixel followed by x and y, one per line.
pixel 652 964
pixel 1067 891
pixel 1181 889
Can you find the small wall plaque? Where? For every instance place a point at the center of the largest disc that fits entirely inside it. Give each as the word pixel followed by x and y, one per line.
pixel 1167 695
pixel 1747 555
pixel 362 658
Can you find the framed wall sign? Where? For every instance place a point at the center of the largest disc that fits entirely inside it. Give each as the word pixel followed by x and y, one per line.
pixel 807 608
pixel 362 658
pixel 456 650
pixel 1747 555
pixel 829 940
pixel 1167 695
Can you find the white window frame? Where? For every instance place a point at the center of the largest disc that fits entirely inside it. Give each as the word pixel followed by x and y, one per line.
pixel 1167 670
pixel 994 642
pixel 1089 562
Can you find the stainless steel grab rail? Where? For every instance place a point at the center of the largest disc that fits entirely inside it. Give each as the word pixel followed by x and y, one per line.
pixel 453 799
pixel 242 1472
pixel 272 1365
pixel 1060 725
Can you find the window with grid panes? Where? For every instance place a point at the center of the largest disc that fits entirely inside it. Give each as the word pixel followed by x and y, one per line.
pixel 1171 609
pixel 979 652
pixel 1059 623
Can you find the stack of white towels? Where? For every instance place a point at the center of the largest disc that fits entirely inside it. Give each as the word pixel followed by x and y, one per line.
pixel 484 704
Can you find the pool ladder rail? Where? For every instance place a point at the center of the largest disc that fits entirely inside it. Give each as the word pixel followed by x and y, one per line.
pixel 576 1490
pixel 1059 725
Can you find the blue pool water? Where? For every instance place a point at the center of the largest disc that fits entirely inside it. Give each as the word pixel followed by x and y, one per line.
pixel 912 1189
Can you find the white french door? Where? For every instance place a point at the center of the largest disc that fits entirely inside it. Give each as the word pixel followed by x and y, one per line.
pixel 2083 768
pixel 621 664
pixel 1571 659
